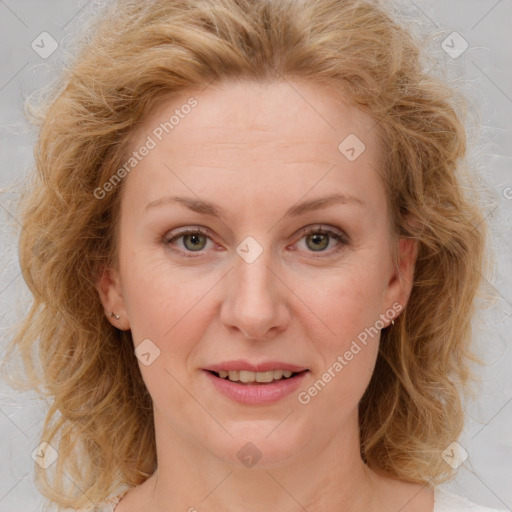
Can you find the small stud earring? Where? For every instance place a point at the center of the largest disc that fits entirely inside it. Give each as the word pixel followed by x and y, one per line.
pixel 392 322
pixel 113 315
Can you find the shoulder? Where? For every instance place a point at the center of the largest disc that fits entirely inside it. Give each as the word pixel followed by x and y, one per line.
pixel 445 501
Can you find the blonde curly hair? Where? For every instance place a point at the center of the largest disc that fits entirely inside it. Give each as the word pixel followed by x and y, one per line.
pixel 136 54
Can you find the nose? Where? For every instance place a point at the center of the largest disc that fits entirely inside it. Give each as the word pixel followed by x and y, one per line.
pixel 255 300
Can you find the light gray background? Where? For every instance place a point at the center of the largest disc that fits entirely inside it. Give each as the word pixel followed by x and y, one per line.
pixel 484 72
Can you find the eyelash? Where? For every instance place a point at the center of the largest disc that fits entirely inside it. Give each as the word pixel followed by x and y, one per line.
pixel 339 237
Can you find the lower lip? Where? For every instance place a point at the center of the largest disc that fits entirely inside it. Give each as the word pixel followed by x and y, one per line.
pixel 257 393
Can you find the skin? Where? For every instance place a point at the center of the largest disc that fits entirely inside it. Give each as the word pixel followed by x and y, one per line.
pixel 256 150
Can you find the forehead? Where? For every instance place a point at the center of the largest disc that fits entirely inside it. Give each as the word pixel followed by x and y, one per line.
pixel 255 136
pixel 250 111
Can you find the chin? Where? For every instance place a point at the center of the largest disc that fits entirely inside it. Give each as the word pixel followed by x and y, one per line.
pixel 268 448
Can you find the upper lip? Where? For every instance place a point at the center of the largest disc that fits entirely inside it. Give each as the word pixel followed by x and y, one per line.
pixel 252 367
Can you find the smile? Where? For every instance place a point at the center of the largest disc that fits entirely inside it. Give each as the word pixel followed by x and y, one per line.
pixel 253 388
pixel 245 376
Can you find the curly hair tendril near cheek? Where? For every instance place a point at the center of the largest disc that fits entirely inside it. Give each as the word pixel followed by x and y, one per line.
pixel 135 55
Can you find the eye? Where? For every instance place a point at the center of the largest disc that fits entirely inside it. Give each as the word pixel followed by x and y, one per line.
pixel 194 240
pixel 317 239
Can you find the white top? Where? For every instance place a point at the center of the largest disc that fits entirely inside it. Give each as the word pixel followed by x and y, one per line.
pixel 444 501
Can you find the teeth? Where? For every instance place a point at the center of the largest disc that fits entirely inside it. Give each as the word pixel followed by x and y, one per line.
pixel 247 376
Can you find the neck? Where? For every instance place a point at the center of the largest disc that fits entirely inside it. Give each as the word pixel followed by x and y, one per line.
pixel 326 474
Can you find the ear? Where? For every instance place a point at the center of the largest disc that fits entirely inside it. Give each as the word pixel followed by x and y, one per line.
pixel 110 292
pixel 402 278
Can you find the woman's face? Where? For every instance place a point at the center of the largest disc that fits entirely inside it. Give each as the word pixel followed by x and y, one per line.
pixel 252 166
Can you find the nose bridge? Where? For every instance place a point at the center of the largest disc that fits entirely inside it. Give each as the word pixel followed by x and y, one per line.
pixel 255 301
pixel 253 281
pixel 254 277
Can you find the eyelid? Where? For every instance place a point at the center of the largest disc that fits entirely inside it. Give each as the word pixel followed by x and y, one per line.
pixel 339 235
pixel 320 228
pixel 189 230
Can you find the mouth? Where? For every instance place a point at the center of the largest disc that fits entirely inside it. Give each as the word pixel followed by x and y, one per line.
pixel 263 387
pixel 256 383
pixel 245 377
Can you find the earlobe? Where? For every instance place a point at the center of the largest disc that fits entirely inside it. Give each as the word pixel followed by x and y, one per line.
pixel 109 291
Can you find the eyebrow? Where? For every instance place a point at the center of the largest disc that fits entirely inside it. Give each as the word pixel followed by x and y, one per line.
pixel 208 208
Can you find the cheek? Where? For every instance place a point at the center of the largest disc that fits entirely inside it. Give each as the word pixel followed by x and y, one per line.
pixel 347 300
pixel 168 309
pixel 154 292
pixel 345 332
pixel 169 306
pixel 347 359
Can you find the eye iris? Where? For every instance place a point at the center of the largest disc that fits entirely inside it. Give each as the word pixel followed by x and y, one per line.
pixel 194 237
pixel 317 237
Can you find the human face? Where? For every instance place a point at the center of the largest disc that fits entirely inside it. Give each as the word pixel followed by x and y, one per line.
pixel 281 295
